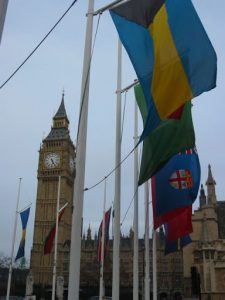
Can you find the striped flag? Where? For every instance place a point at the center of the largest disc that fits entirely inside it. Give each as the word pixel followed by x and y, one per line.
pixel 24 215
pixel 170 51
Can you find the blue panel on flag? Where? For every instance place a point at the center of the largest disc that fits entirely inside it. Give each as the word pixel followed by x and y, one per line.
pixel 177 183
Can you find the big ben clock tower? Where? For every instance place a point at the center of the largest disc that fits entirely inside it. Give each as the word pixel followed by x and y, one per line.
pixel 56 158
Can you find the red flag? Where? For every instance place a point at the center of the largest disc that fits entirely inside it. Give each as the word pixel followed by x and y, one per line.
pixel 181 225
pixel 50 237
pixel 107 222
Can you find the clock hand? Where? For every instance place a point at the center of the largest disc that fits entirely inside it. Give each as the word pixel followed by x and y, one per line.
pixel 53 161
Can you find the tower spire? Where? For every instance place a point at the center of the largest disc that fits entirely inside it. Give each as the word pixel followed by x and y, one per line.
pixel 89 233
pixel 210 180
pixel 202 197
pixel 60 126
pixel 210 183
pixel 61 113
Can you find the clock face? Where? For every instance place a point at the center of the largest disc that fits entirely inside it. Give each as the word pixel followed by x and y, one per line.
pixel 72 164
pixel 52 160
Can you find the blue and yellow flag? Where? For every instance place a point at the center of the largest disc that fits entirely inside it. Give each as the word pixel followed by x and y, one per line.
pixel 24 215
pixel 170 51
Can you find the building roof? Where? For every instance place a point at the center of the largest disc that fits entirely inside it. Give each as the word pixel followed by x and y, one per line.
pixel 61 113
pixel 58 133
pixel 59 129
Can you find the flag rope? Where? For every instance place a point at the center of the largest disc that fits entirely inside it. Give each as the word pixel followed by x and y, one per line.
pixel 121 162
pixel 132 200
pixel 129 206
pixel 111 172
pixel 39 44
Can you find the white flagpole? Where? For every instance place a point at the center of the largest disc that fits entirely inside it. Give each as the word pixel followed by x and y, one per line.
pixel 147 278
pixel 116 223
pixel 13 243
pixel 75 249
pixel 3 9
pixel 56 241
pixel 101 291
pixel 135 224
pixel 154 265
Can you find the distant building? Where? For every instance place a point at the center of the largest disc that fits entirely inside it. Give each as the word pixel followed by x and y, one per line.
pixel 170 268
pixel 56 157
pixel 207 251
pixel 204 256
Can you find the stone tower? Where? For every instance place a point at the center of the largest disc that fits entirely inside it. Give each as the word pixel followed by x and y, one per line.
pixel 56 157
pixel 210 183
pixel 200 253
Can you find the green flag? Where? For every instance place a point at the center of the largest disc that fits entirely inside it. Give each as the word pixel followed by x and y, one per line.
pixel 169 138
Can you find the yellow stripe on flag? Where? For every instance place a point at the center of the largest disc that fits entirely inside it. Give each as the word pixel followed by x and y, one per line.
pixel 169 83
pixel 23 235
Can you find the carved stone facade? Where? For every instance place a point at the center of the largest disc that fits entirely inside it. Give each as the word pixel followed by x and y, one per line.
pixel 56 158
pixel 170 267
pixel 207 251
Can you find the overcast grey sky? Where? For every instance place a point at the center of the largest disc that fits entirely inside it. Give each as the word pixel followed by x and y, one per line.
pixel 30 99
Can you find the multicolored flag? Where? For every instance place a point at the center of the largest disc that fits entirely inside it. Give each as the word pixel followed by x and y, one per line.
pixel 172 136
pixel 177 245
pixel 170 51
pixel 107 222
pixel 176 185
pixel 24 215
pixel 51 236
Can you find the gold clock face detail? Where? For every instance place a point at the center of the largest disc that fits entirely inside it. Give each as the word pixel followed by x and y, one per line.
pixel 72 164
pixel 52 160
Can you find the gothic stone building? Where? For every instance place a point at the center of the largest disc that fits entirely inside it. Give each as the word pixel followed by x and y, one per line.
pixel 206 253
pixel 170 268
pixel 56 158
